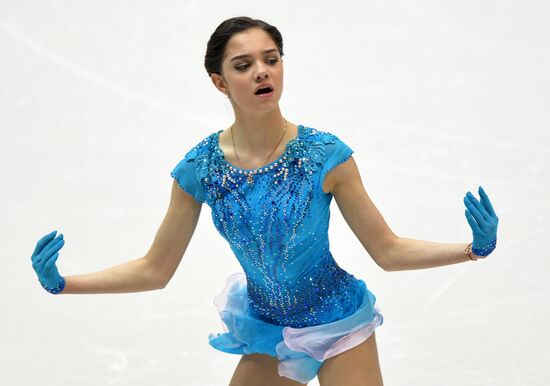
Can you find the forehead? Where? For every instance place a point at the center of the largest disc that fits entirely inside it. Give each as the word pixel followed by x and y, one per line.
pixel 251 41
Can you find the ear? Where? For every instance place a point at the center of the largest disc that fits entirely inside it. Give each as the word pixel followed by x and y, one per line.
pixel 219 82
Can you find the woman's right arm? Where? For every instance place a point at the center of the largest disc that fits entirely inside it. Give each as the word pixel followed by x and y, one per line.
pixel 155 269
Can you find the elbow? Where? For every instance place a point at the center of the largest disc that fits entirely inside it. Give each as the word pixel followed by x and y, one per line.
pixel 385 260
pixel 384 264
pixel 381 262
pixel 159 277
pixel 159 282
pixel 165 279
pixel 163 283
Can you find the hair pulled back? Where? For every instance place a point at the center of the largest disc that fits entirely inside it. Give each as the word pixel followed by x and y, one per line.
pixel 217 44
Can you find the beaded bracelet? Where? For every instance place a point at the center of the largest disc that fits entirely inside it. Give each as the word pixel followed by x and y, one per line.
pixel 468 251
pixel 57 289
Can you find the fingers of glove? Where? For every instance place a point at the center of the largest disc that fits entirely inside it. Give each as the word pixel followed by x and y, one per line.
pixel 40 256
pixel 472 222
pixel 480 208
pixel 49 266
pixel 487 223
pixel 46 255
pixel 41 244
pixel 55 243
pixel 473 211
pixel 486 202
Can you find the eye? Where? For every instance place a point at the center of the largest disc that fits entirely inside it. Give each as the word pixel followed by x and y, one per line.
pixel 243 67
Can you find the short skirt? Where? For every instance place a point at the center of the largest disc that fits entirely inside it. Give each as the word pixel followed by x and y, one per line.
pixel 301 351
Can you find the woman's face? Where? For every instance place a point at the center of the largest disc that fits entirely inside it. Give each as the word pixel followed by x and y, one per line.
pixel 241 76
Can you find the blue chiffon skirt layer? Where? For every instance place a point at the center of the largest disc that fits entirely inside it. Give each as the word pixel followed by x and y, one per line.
pixel 301 351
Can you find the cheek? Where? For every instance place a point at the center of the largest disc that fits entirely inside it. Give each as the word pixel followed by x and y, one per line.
pixel 280 80
pixel 280 75
pixel 239 86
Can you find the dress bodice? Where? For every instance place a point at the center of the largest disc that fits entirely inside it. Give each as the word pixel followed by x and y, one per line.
pixel 276 222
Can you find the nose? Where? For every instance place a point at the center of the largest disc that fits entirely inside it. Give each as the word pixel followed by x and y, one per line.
pixel 262 73
pixel 261 76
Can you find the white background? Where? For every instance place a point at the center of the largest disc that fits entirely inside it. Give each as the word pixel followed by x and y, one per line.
pixel 99 101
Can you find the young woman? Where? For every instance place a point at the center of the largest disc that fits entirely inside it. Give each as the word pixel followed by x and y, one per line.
pixel 294 313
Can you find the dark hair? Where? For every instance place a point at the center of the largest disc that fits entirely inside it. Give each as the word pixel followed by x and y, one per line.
pixel 215 48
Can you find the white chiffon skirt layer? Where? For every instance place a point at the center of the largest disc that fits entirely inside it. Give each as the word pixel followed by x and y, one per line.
pixel 301 351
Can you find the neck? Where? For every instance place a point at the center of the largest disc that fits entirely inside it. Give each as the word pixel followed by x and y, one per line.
pixel 258 135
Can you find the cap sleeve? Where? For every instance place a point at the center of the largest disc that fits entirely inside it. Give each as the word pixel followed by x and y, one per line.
pixel 185 173
pixel 337 151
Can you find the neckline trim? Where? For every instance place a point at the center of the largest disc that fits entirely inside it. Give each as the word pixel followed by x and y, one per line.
pixel 277 161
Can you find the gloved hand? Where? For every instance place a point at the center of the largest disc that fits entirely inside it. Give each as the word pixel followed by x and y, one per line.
pixel 482 219
pixel 43 259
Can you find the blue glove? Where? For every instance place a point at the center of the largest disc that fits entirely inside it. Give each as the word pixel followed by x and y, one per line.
pixel 43 261
pixel 483 221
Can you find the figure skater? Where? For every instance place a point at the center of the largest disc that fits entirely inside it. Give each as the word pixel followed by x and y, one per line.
pixel 294 313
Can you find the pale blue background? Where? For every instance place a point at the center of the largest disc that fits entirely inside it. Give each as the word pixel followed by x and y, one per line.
pixel 99 100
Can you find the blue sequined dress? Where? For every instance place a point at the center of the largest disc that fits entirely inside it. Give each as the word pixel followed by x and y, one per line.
pixel 293 301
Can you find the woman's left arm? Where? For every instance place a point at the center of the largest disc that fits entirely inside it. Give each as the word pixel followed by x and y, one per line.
pixel 394 253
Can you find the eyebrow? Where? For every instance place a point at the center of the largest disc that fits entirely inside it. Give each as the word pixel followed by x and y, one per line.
pixel 247 55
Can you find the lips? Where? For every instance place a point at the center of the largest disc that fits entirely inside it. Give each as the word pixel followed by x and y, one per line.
pixel 263 88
